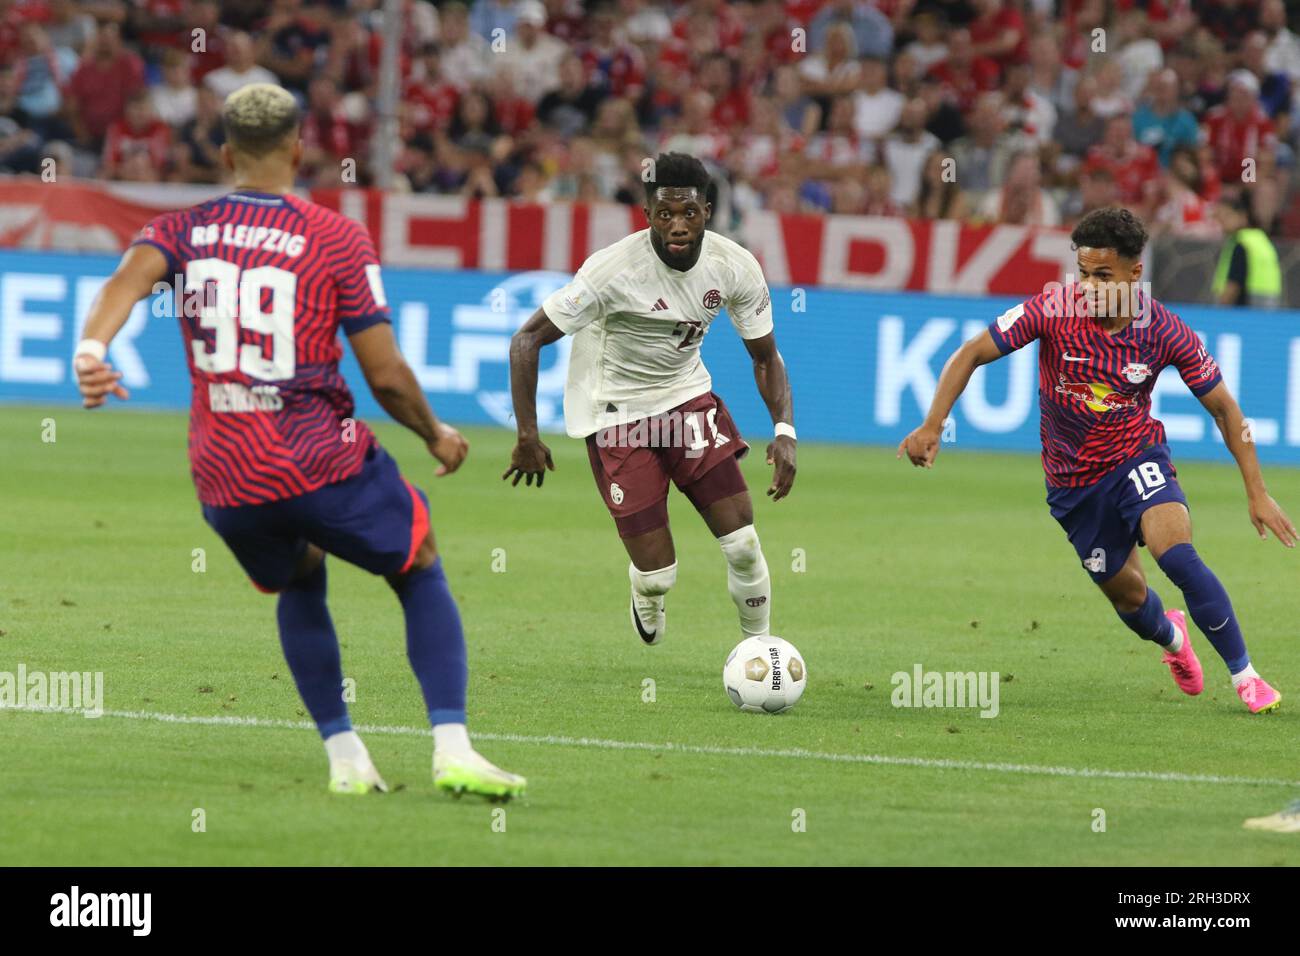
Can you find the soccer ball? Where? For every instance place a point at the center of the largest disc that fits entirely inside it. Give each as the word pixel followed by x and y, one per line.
pixel 765 675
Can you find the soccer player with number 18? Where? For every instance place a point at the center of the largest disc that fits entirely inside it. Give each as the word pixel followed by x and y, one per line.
pixel 1110 481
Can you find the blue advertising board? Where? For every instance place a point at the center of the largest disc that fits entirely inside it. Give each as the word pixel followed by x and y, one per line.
pixel 863 364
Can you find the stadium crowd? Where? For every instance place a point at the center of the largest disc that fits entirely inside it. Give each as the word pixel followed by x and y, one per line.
pixel 1017 111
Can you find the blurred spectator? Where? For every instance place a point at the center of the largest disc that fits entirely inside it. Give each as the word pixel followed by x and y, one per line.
pixel 565 20
pixel 98 90
pixel 1108 96
pixel 1085 128
pixel 1248 273
pixel 879 198
pixel 40 70
pixel 68 26
pixel 963 74
pixel 872 32
pixel 569 108
pixel 1161 123
pixel 1097 190
pixel 432 100
pixel 465 54
pixel 1283 53
pixel 695 131
pixel 840 148
pixel 984 153
pixel 646 22
pixel 531 186
pixel 1181 208
pixel 1140 54
pixel 834 70
pixel 1228 20
pixel 998 33
pixel 293 41
pixel 730 99
pixel 488 16
pixel 240 70
pixel 943 119
pixel 1134 167
pixel 799 111
pixel 533 58
pixel 1274 85
pixel 905 152
pixel 1238 132
pixel 876 108
pixel 940 197
pixel 175 99
pixel 1021 201
pixel 331 133
pixel 197 155
pixel 613 64
pixel 928 48
pixel 1049 77
pixel 208 43
pixel 20 146
pixel 137 146
pixel 1026 111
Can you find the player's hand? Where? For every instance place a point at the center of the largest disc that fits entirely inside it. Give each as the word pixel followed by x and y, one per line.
pixel 1267 513
pixel 922 445
pixel 781 454
pixel 450 448
pixel 529 460
pixel 97 381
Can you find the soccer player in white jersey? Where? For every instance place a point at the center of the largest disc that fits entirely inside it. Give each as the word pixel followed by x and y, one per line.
pixel 640 396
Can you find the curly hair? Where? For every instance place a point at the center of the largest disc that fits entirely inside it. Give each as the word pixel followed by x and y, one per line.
pixel 1112 228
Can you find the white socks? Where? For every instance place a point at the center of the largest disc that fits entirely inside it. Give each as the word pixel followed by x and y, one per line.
pixel 747 580
pixel 653 584
pixel 347 746
pixel 1244 675
pixel 451 739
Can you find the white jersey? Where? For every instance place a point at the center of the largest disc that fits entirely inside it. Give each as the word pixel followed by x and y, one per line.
pixel 637 326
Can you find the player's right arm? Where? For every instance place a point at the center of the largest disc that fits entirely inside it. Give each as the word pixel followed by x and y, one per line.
pixel 530 457
pixel 922 445
pixel 140 270
pixel 396 388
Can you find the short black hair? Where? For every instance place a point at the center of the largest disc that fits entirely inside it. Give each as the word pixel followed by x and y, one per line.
pixel 677 170
pixel 1111 228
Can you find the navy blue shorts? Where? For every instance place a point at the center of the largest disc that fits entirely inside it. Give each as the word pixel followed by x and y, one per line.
pixel 375 520
pixel 1104 520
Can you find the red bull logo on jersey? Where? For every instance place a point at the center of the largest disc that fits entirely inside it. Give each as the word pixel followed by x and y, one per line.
pixel 1098 397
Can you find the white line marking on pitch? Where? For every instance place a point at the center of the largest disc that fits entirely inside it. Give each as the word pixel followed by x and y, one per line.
pixel 927 763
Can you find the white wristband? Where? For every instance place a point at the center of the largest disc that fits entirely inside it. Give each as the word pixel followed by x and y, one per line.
pixel 92 347
pixel 784 428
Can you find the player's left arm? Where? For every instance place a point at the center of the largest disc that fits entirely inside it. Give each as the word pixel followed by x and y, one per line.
pixel 774 386
pixel 1265 513
pixel 140 270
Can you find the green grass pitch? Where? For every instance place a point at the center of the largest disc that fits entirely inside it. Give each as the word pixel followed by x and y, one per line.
pixel 958 569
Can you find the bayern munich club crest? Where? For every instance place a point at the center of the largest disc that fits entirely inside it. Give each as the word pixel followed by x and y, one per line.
pixel 712 299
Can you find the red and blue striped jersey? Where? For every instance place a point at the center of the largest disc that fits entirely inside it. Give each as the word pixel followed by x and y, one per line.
pixel 267 282
pixel 1094 388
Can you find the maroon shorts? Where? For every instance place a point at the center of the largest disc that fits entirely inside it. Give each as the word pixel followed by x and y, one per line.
pixel 695 444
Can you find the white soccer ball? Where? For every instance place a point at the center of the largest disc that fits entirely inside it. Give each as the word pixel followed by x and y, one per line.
pixel 765 675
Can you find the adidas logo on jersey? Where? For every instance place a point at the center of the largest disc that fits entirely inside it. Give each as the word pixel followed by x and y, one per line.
pixel 659 306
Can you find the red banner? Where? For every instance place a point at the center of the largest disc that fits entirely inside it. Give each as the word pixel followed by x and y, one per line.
pixel 451 232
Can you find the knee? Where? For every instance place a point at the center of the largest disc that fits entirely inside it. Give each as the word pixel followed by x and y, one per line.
pixel 742 549
pixel 425 557
pixel 1179 563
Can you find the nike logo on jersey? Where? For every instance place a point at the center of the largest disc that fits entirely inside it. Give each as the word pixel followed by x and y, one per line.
pixel 1074 358
pixel 659 306
pixel 1154 491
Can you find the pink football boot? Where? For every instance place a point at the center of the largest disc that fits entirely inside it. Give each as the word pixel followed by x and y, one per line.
pixel 1258 697
pixel 1184 665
